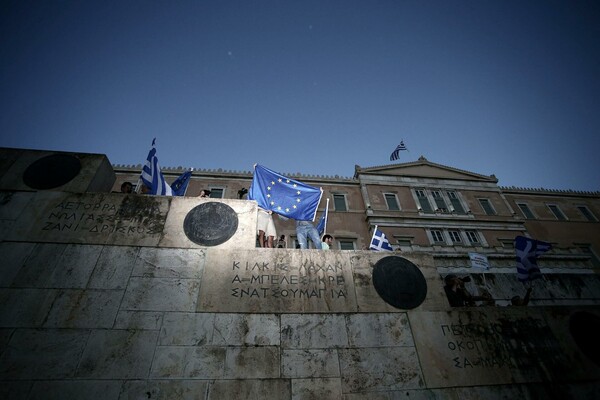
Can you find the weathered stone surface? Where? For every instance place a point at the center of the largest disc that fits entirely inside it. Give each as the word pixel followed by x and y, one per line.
pixel 379 330
pixel 12 204
pixel 316 388
pixel 25 307
pixel 151 320
pixel 246 330
pixel 313 331
pixel 114 267
pixel 84 309
pixel 169 263
pixel 244 236
pixel 161 294
pixel 382 368
pixel 165 390
pixel 115 354
pixel 267 389
pixel 187 329
pixel 75 389
pixel 43 354
pixel 307 363
pixel 13 258
pixel 274 280
pixel 189 362
pixel 252 362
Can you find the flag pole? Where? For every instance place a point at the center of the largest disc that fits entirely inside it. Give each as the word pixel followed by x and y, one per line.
pixel 188 185
pixel 326 216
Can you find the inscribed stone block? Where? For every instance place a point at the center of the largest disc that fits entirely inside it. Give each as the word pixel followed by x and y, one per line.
pixel 275 280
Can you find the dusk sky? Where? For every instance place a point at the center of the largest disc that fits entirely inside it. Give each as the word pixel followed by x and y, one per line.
pixel 502 87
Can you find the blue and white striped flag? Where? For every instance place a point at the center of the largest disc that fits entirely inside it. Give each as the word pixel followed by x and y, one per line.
pixel 527 251
pixel 152 177
pixel 379 241
pixel 396 153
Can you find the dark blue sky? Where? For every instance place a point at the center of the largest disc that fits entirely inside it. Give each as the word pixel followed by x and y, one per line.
pixel 510 88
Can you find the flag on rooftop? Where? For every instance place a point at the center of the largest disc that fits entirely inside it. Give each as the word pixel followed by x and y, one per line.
pixel 379 241
pixel 283 195
pixel 152 177
pixel 396 153
pixel 179 185
pixel 527 251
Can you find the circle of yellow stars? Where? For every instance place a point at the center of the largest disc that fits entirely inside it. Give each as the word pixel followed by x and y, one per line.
pixel 279 208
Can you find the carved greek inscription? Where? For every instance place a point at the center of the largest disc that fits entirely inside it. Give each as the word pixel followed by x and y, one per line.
pixel 520 343
pixel 97 216
pixel 268 280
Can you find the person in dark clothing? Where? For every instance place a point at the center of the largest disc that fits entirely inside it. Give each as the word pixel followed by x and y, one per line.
pixel 457 295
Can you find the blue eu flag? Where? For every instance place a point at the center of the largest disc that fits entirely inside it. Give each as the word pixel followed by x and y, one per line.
pixel 284 196
pixel 180 184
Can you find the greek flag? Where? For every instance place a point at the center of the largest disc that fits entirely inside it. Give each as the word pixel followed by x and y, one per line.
pixel 379 241
pixel 284 196
pixel 152 177
pixel 179 185
pixel 396 153
pixel 527 251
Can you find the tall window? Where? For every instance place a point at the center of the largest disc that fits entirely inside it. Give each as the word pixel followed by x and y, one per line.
pixel 455 236
pixel 472 236
pixel 486 204
pixel 526 211
pixel 587 213
pixel 339 202
pixel 392 201
pixel 557 212
pixel 346 244
pixel 456 204
pixel 423 201
pixel 440 203
pixel 437 236
pixel 216 193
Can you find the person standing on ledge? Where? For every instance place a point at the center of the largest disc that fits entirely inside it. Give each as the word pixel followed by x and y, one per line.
pixel 327 241
pixel 305 230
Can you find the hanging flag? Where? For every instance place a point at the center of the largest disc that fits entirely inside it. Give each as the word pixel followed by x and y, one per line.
pixel 479 261
pixel 284 196
pixel 527 251
pixel 179 185
pixel 322 226
pixel 396 153
pixel 152 177
pixel 379 241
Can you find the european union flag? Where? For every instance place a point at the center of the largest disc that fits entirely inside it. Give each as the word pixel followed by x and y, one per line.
pixel 284 196
pixel 322 226
pixel 179 185
pixel 527 250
